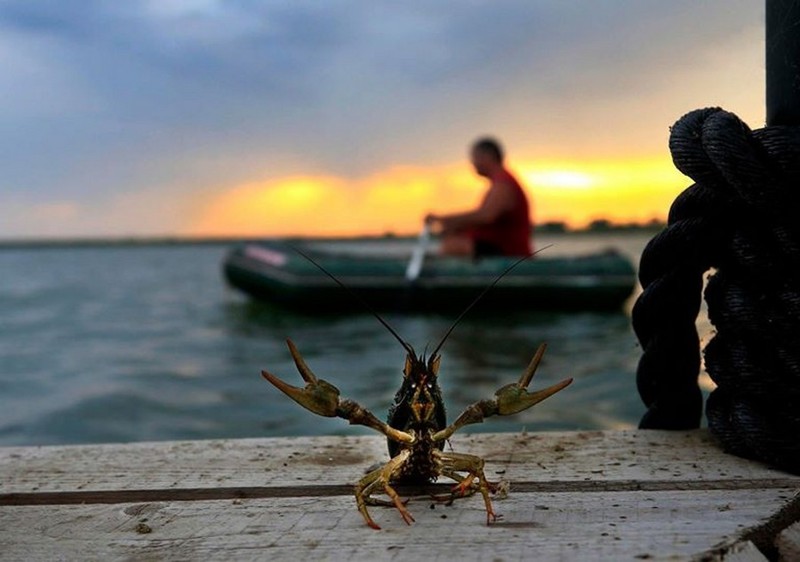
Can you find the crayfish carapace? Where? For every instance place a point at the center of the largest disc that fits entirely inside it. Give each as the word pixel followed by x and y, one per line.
pixel 417 429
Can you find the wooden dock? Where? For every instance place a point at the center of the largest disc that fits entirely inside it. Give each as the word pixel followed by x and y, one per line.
pixel 611 495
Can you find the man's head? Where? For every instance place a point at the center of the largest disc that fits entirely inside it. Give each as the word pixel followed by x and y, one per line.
pixel 486 156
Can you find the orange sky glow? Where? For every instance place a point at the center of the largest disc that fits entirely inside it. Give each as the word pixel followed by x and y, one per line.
pixel 395 200
pixel 203 118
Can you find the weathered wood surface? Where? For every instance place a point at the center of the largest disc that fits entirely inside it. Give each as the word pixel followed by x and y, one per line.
pixel 626 495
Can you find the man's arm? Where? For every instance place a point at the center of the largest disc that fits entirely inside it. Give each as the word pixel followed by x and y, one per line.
pixel 498 200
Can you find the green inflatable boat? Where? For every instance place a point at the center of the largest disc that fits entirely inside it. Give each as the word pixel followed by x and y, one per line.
pixel 276 272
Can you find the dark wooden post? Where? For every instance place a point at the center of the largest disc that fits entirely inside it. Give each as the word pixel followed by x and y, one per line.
pixel 783 62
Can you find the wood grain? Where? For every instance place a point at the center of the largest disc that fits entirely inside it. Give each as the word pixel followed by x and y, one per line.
pixel 628 495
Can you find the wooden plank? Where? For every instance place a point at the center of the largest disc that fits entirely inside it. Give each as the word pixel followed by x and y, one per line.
pixel 603 495
pixel 633 525
pixel 188 464
pixel 619 459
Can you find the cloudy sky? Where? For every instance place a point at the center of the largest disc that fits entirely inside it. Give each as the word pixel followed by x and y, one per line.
pixel 211 117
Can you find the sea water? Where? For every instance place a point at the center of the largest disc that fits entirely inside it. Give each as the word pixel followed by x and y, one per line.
pixel 140 343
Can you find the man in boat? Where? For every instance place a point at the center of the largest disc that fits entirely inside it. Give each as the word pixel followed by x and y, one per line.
pixel 501 225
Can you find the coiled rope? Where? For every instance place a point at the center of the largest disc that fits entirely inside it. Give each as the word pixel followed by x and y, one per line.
pixel 741 218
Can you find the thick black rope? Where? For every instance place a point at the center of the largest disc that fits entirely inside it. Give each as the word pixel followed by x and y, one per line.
pixel 741 218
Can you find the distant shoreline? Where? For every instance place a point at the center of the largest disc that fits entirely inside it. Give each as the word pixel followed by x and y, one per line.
pixel 128 241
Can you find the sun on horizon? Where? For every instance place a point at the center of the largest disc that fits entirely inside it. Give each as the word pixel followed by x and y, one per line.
pixel 575 192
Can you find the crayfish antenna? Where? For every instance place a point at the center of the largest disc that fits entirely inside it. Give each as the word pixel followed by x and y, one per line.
pixel 359 300
pixel 482 294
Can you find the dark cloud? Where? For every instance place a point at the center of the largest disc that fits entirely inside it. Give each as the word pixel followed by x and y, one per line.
pixel 108 97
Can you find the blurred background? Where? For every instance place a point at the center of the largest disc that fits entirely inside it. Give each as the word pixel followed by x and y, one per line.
pixel 140 140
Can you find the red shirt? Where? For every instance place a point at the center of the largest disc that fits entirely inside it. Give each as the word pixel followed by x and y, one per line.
pixel 511 231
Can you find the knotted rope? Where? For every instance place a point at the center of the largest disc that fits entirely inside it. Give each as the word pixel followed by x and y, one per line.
pixel 742 218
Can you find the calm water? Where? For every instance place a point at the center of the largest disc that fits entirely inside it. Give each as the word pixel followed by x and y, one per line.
pixel 146 343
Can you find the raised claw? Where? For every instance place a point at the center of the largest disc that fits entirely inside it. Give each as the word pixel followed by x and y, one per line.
pixel 509 399
pixel 318 396
pixel 515 397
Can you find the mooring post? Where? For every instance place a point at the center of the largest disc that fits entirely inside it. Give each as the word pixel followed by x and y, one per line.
pixel 783 62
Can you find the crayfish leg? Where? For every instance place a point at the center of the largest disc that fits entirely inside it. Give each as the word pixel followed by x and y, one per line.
pixel 378 479
pixel 465 487
pixel 453 463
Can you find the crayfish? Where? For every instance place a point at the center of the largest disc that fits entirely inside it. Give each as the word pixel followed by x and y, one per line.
pixel 417 428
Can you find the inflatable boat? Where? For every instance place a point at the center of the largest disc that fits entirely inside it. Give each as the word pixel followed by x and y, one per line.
pixel 281 274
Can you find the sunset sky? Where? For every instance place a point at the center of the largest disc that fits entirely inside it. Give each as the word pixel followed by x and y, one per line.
pixel 239 117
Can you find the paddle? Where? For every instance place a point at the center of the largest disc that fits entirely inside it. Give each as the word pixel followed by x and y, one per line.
pixel 418 254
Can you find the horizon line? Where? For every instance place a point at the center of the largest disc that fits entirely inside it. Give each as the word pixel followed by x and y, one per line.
pixel 599 226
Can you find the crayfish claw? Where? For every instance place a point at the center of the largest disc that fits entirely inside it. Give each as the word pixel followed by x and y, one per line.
pixel 527 376
pixel 318 396
pixel 515 397
pixel 512 398
pixel 302 368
